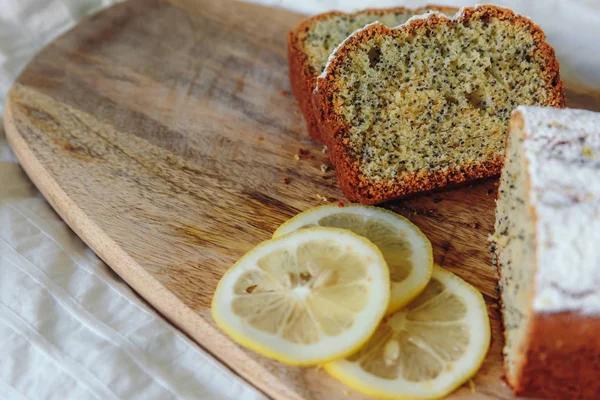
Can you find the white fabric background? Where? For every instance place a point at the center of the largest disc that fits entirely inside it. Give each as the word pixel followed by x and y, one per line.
pixel 69 327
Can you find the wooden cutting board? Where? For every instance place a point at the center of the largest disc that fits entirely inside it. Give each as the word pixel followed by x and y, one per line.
pixel 164 134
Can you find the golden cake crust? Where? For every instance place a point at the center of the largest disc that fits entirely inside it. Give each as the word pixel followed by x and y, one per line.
pixel 304 78
pixel 563 358
pixel 353 184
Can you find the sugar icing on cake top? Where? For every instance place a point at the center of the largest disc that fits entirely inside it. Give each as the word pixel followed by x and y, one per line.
pixel 423 16
pixel 562 149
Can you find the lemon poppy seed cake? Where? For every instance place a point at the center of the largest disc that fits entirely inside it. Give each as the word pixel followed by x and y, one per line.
pixel 311 43
pixel 427 104
pixel 547 254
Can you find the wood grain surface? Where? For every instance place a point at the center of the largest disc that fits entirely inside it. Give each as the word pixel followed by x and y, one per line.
pixel 164 134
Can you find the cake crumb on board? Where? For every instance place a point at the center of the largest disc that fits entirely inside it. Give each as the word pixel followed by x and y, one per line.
pixel 326 199
pixel 472 386
pixel 302 154
pixel 322 198
pixel 474 225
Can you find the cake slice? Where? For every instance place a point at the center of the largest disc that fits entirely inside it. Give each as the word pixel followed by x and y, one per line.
pixel 427 104
pixel 311 44
pixel 547 250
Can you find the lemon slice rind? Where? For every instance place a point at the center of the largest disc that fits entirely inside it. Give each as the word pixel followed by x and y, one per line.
pixel 454 375
pixel 422 256
pixel 328 348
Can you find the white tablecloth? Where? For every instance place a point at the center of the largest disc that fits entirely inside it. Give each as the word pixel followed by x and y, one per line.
pixel 69 327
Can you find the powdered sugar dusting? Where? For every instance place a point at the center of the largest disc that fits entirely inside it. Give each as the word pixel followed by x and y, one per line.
pixel 423 16
pixel 562 148
pixel 460 13
pixel 333 53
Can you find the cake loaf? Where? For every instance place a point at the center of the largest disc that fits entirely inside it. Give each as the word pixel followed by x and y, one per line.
pixel 313 41
pixel 427 104
pixel 547 250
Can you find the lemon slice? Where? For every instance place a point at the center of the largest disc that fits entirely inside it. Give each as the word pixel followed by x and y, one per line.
pixel 306 298
pixel 405 248
pixel 427 349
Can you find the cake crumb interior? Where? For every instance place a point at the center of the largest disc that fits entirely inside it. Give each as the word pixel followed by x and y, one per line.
pixel 514 241
pixel 436 100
